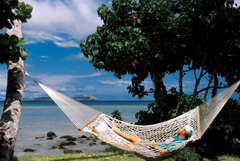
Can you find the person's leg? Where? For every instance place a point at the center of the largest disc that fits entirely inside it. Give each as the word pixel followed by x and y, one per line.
pixel 134 139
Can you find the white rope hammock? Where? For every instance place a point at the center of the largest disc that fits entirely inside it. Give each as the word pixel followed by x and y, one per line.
pixel 84 117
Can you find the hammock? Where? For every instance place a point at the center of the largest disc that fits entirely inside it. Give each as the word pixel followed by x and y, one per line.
pixel 85 117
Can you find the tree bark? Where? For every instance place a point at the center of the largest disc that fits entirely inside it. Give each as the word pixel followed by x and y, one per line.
pixel 9 123
pixel 181 81
pixel 158 84
pixel 159 90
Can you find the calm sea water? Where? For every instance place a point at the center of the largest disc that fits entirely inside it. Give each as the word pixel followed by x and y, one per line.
pixel 38 118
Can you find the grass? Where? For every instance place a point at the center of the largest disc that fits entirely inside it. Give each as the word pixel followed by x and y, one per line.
pixel 228 158
pixel 101 156
pixel 105 156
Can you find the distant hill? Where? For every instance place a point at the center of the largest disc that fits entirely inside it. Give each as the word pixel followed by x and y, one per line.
pixel 78 98
pixel 85 98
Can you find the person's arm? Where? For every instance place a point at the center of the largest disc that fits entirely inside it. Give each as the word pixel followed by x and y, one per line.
pixel 162 151
pixel 123 145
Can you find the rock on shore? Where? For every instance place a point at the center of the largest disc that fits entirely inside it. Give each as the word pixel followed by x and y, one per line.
pixel 66 144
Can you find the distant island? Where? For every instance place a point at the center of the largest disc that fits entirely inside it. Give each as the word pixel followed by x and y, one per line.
pixel 78 98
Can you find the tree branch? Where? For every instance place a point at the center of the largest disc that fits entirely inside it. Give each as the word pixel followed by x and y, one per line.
pixel 207 88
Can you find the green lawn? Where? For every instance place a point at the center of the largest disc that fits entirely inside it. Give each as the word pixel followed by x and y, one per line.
pixel 101 156
pixel 105 156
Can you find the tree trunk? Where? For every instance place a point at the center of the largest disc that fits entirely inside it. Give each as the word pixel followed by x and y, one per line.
pixel 181 82
pixel 9 123
pixel 158 84
pixel 159 90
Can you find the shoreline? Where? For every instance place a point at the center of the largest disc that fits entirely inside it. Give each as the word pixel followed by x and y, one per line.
pixel 44 145
pixel 38 118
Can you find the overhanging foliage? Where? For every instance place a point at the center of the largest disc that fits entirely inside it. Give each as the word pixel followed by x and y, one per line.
pixel 11 46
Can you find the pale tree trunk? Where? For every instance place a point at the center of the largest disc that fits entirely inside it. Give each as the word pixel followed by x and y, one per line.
pixel 9 123
pixel 159 90
pixel 158 84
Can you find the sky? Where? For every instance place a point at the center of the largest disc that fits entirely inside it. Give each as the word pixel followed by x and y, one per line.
pixel 54 58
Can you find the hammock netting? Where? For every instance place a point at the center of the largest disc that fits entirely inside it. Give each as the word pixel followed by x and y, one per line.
pixel 85 117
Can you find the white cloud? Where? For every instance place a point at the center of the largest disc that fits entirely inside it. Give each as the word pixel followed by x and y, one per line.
pixel 124 83
pixel 45 57
pixel 67 44
pixel 79 56
pixel 44 36
pixel 2 95
pixel 91 75
pixel 60 83
pixel 50 19
pixel 55 79
pixel 77 89
pixel 116 82
pixel 3 80
pixel 62 79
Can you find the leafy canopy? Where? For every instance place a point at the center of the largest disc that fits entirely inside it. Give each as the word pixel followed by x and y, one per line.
pixel 11 46
pixel 158 37
pixel 155 38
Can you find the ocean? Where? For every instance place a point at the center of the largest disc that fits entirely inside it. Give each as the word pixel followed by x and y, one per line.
pixel 38 118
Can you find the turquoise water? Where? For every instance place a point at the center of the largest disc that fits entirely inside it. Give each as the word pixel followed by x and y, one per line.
pixel 49 111
pixel 38 118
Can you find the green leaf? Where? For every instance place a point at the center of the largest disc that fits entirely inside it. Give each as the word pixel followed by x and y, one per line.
pixel 101 63
pixel 20 42
pixel 23 53
pixel 14 40
pixel 15 57
pixel 177 15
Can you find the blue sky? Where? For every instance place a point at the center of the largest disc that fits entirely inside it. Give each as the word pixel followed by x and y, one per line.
pixel 55 59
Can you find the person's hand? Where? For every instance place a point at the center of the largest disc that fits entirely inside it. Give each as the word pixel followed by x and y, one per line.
pixel 152 142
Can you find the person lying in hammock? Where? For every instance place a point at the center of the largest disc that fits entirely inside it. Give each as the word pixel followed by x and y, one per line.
pixel 183 134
